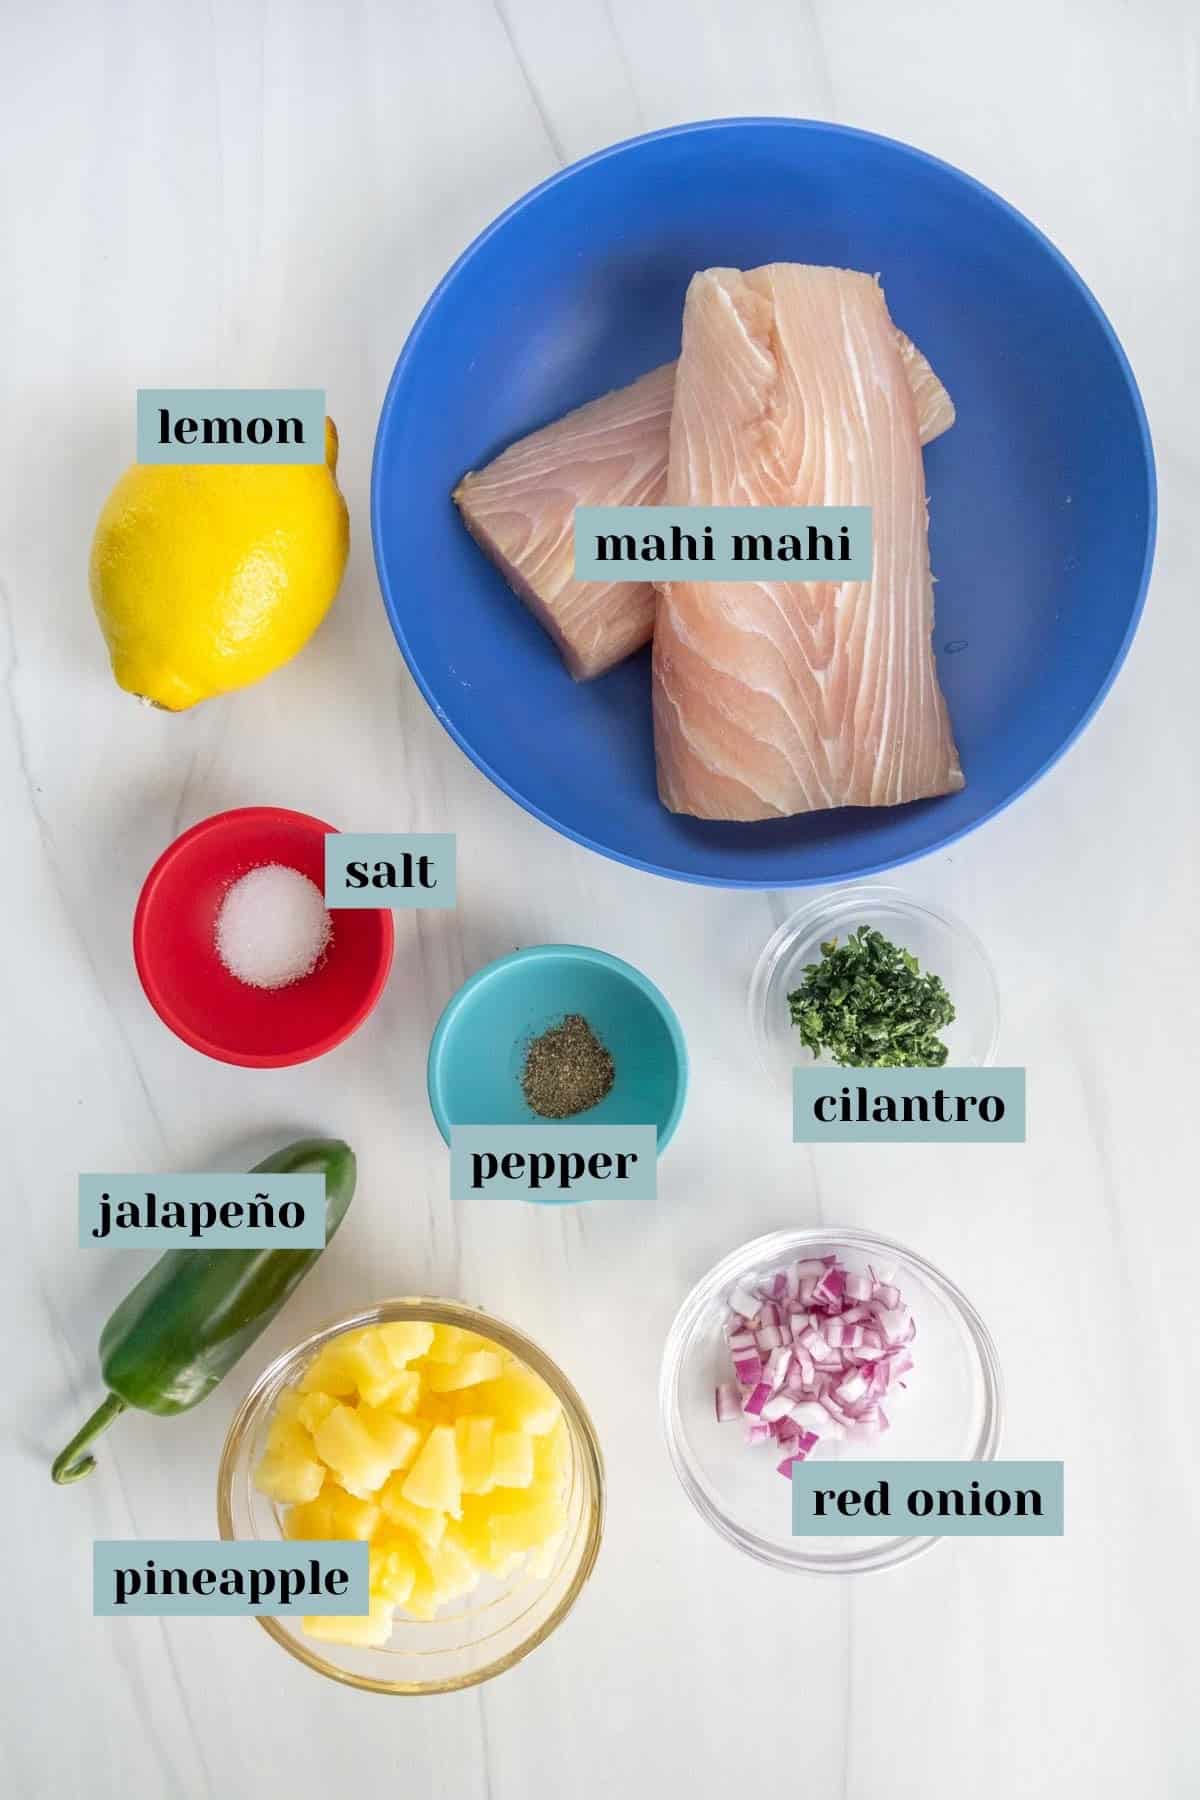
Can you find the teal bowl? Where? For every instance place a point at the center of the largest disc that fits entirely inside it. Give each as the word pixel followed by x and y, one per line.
pixel 478 1050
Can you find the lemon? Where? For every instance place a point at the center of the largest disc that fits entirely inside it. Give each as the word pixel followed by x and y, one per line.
pixel 207 577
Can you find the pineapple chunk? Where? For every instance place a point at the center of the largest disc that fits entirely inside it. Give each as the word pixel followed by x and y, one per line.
pixel 469 1371
pixel 405 1341
pixel 330 1372
pixel 393 1570
pixel 512 1459
pixel 313 1409
pixel 397 1439
pixel 526 1530
pixel 434 1479
pixel 552 1454
pixel 404 1396
pixel 473 1437
pixel 289 1472
pixel 375 1373
pixel 314 1519
pixel 287 1407
pixel 426 1526
pixel 355 1456
pixel 451 1342
pixel 475 1537
pixel 373 1628
pixel 352 1517
pixel 451 1568
pixel 422 1602
pixel 520 1399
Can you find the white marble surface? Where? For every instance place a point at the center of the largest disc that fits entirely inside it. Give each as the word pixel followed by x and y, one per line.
pixel 263 194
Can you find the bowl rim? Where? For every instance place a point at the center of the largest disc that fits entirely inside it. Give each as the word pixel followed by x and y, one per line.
pixel 544 952
pixel 148 971
pixel 448 1312
pixel 878 1554
pixel 859 894
pixel 818 128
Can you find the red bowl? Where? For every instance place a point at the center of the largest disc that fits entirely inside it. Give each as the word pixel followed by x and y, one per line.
pixel 190 988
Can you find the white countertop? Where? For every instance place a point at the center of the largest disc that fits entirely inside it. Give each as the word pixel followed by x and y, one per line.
pixel 264 195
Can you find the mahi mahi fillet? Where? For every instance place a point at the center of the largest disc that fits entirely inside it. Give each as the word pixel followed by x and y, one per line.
pixel 611 452
pixel 777 697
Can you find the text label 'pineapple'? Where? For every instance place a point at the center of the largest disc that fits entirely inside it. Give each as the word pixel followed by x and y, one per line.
pixel 170 1577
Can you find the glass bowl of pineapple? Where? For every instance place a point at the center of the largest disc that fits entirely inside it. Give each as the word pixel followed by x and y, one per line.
pixel 464 1458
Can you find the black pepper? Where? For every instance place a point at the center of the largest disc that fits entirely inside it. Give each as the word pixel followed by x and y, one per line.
pixel 567 1070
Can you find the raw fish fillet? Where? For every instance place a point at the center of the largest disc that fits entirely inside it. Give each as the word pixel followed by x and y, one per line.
pixel 611 452
pixel 777 697
pixel 521 510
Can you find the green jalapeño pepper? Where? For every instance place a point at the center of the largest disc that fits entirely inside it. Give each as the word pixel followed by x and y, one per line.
pixel 195 1312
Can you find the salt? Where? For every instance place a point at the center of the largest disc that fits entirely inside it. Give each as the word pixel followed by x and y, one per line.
pixel 272 927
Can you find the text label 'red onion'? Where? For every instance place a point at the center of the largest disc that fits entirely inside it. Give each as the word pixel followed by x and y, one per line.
pixel 927 1499
pixel 723 543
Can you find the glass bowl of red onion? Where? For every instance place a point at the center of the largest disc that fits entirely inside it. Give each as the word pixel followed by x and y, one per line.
pixel 821 1344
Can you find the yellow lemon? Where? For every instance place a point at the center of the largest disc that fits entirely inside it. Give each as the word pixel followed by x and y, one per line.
pixel 206 577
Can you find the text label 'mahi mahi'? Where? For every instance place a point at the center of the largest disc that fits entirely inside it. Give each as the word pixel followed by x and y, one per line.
pixel 722 543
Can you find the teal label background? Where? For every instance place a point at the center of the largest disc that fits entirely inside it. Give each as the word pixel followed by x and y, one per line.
pixel 343 847
pixel 305 404
pixel 810 1082
pixel 202 1190
pixel 591 521
pixel 467 1141
pixel 904 1478
pixel 190 1554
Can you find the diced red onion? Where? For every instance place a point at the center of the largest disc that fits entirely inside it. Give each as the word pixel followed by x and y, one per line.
pixel 777 1407
pixel 729 1402
pixel 814 1349
pixel 810 1414
pixel 828 1290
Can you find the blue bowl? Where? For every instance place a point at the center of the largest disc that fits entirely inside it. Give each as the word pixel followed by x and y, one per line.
pixel 1042 496
pixel 478 1050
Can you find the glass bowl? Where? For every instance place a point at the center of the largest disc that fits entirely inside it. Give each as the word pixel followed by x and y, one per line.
pixel 486 1631
pixel 941 944
pixel 951 1407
